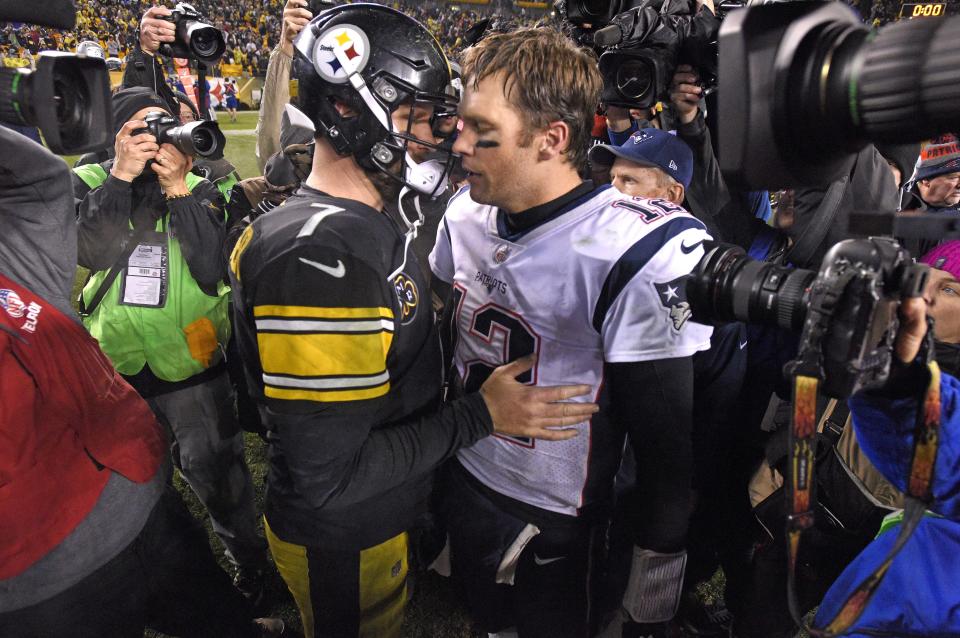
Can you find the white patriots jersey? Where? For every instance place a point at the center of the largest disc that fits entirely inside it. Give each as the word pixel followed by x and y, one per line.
pixel 603 281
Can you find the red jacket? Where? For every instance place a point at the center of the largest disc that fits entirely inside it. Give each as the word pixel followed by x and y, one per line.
pixel 65 415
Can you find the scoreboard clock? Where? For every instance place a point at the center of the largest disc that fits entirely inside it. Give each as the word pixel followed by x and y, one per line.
pixel 923 10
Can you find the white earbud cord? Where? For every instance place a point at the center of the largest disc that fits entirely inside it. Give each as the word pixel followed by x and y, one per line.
pixel 413 228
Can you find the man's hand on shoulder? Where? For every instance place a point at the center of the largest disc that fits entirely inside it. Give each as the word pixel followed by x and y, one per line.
pixel 531 411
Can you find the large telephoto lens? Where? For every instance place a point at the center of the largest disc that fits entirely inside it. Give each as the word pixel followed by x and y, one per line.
pixel 806 85
pixel 727 285
pixel 67 98
pixel 197 139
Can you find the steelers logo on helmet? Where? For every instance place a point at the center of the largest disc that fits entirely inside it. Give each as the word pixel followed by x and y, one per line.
pixel 340 52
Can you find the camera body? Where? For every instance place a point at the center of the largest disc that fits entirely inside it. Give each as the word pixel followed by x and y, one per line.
pixel 195 38
pixel 845 313
pixel 642 46
pixel 196 139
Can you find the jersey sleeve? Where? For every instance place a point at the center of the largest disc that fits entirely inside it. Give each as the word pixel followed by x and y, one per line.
pixel 324 326
pixel 441 257
pixel 642 312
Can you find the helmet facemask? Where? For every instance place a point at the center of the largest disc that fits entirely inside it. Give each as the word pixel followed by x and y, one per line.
pixel 349 68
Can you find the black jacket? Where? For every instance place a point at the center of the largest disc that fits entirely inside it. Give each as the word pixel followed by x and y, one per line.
pixel 727 214
pixel 104 215
pixel 145 70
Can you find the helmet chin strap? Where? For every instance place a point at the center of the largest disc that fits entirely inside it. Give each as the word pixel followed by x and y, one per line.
pixel 413 227
pixel 427 177
pixel 423 178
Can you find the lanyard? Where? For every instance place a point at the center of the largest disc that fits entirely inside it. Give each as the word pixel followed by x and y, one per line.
pixel 802 496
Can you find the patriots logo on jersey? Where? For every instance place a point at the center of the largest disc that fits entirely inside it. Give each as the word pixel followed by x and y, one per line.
pixel 673 296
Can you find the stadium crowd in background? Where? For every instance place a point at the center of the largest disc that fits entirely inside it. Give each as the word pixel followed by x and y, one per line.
pixel 251 28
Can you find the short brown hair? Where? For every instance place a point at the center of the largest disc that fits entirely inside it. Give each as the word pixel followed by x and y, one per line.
pixel 546 76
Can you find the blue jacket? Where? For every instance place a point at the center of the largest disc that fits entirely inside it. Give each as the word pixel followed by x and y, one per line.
pixel 920 595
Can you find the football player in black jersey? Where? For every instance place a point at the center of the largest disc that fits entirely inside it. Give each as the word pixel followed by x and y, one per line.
pixel 336 330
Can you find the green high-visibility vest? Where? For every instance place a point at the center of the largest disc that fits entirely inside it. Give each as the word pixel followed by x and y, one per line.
pixel 178 340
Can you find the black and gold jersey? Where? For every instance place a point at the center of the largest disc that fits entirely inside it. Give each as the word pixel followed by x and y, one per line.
pixel 340 348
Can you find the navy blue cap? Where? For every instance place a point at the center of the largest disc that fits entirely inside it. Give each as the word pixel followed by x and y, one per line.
pixel 650 147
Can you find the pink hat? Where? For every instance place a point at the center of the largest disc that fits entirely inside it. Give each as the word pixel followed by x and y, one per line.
pixel 946 257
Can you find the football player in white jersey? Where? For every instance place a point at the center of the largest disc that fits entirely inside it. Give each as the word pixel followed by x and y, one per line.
pixel 591 282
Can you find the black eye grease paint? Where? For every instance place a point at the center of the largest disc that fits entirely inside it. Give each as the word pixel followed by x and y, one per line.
pixel 487 144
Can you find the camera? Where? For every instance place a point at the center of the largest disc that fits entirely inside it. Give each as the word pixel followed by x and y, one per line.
pixel 196 139
pixel 195 38
pixel 67 97
pixel 805 85
pixel 642 45
pixel 846 312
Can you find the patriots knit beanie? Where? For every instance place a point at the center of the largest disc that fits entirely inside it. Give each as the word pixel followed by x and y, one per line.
pixel 946 257
pixel 940 156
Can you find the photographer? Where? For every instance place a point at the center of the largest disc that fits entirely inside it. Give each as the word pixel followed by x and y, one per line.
pixel 732 216
pixel 144 67
pixel 935 183
pixel 885 421
pixel 276 85
pixel 92 541
pixel 152 233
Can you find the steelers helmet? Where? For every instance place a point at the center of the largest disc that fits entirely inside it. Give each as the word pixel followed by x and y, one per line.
pixel 372 58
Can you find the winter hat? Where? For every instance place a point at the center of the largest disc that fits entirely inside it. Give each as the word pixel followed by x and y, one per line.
pixel 127 102
pixel 946 257
pixel 940 156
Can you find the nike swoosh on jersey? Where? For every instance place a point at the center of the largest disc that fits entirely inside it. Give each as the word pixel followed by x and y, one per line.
pixel 546 561
pixel 689 249
pixel 743 345
pixel 337 271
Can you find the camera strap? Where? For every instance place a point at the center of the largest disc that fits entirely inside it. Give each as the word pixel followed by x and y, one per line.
pixel 806 244
pixel 134 239
pixel 802 497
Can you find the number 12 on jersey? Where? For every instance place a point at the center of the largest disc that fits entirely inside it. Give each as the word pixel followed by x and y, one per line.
pixel 496 336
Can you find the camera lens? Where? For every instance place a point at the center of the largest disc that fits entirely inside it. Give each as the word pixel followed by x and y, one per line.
pixel 727 285
pixel 69 102
pixel 206 42
pixel 634 79
pixel 199 139
pixel 74 113
pixel 203 142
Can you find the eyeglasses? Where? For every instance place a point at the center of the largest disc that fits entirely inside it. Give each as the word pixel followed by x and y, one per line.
pixel 948 177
